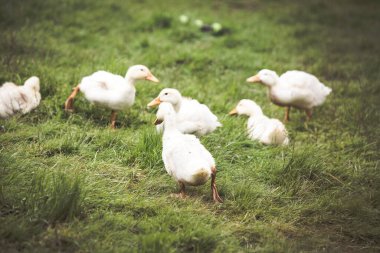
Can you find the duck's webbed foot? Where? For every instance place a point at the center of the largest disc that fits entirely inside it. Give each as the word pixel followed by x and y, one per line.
pixel 182 193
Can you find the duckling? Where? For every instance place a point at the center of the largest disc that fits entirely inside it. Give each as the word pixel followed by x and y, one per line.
pixel 192 116
pixel 19 99
pixel 184 157
pixel 260 127
pixel 110 90
pixel 293 89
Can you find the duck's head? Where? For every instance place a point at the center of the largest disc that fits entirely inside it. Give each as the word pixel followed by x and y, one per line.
pixel 265 76
pixel 165 111
pixel 246 107
pixel 167 95
pixel 141 72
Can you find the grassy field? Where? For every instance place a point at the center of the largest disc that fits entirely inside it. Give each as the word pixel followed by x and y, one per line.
pixel 70 184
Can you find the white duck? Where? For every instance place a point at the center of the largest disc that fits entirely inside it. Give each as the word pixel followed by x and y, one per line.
pixel 19 99
pixel 260 127
pixel 192 116
pixel 185 158
pixel 293 89
pixel 110 90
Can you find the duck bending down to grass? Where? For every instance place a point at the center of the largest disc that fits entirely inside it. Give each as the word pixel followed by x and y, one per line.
pixel 184 157
pixel 293 89
pixel 19 99
pixel 110 90
pixel 192 116
pixel 260 127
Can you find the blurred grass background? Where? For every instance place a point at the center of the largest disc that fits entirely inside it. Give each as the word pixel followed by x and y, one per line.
pixel 69 184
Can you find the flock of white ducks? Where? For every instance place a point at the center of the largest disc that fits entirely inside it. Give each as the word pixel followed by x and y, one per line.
pixel 182 119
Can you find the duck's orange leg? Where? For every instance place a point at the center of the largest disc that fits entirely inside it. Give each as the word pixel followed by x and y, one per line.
pixel 70 100
pixel 214 190
pixel 287 112
pixel 182 193
pixel 309 113
pixel 113 119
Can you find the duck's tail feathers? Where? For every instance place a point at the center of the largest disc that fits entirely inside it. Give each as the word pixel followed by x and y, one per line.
pixel 200 177
pixel 279 136
pixel 33 82
pixel 326 90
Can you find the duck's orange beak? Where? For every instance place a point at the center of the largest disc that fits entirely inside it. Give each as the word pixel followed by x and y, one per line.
pixel 154 102
pixel 254 79
pixel 233 112
pixel 152 78
pixel 158 121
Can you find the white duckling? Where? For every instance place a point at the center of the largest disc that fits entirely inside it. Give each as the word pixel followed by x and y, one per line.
pixel 110 90
pixel 192 116
pixel 260 127
pixel 184 157
pixel 19 99
pixel 293 89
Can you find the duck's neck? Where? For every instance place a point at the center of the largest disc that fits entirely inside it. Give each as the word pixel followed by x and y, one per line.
pixel 177 106
pixel 170 125
pixel 272 82
pixel 130 80
pixel 255 113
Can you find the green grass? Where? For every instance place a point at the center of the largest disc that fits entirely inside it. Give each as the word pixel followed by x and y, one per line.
pixel 70 184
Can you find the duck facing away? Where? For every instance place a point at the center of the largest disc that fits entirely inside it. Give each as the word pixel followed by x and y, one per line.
pixel 260 127
pixel 110 90
pixel 184 157
pixel 192 116
pixel 19 99
pixel 293 89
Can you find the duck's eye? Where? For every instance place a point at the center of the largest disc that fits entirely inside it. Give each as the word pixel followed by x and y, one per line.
pixel 166 93
pixel 142 70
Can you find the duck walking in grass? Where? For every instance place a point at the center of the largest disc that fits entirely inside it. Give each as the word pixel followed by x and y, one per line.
pixel 110 90
pixel 293 89
pixel 260 127
pixel 19 99
pixel 185 158
pixel 192 116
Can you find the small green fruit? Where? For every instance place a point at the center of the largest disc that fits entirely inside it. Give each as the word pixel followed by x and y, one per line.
pixel 216 27
pixel 184 19
pixel 198 23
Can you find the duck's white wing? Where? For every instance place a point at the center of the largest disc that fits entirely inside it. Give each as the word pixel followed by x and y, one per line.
pixel 277 133
pixel 107 89
pixel 257 128
pixel 198 149
pixel 198 117
pixel 12 100
pixel 102 80
pixel 304 87
pixel 29 99
pixel 184 155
